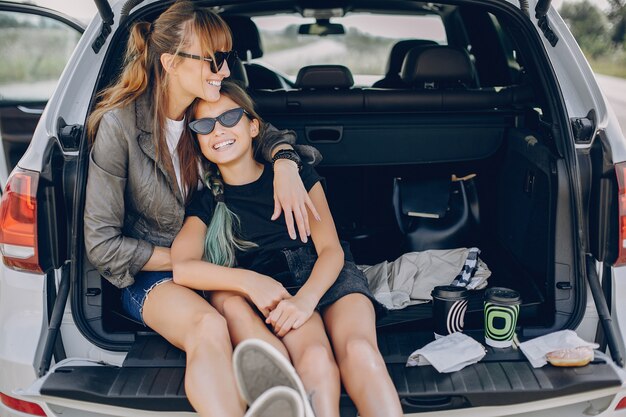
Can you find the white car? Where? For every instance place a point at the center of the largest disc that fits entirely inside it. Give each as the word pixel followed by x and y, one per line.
pixel 36 44
pixel 495 88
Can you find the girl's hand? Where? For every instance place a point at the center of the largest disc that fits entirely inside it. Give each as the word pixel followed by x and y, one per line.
pixel 265 292
pixel 291 197
pixel 291 313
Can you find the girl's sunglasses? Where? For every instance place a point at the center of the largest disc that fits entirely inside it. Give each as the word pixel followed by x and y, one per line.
pixel 217 63
pixel 206 125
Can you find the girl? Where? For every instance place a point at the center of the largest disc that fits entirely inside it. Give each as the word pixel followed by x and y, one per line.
pixel 227 225
pixel 143 168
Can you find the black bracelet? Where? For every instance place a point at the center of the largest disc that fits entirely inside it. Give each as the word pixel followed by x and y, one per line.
pixel 289 154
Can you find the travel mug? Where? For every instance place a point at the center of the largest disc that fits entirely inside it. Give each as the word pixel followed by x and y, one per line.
pixel 449 306
pixel 501 312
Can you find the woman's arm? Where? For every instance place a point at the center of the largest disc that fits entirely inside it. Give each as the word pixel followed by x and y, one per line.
pixel 290 195
pixel 286 139
pixel 117 257
pixel 193 272
pixel 160 260
pixel 294 312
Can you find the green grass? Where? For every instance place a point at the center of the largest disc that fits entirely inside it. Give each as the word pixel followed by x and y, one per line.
pixel 609 65
pixel 33 54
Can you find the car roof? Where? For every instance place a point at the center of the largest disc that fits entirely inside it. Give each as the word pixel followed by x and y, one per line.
pixel 334 8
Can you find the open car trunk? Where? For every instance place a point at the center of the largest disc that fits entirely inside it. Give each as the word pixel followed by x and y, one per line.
pixel 520 184
pixel 526 231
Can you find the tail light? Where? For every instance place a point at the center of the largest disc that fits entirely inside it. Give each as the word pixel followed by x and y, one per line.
pixel 621 404
pixel 22 406
pixel 620 170
pixel 18 221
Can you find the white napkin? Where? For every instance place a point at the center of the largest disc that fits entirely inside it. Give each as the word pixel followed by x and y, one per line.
pixel 449 353
pixel 537 348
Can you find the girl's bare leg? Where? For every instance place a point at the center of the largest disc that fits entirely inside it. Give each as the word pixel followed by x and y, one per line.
pixel 351 325
pixel 308 347
pixel 190 323
pixel 243 321
pixel 313 358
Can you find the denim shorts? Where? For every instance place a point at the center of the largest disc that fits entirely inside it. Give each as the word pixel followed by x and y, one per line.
pixel 350 280
pixel 135 295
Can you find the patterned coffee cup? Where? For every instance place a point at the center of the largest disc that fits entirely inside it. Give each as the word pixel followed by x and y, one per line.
pixel 501 313
pixel 449 306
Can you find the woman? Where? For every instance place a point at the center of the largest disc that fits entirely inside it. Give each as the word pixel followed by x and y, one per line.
pixel 226 225
pixel 143 169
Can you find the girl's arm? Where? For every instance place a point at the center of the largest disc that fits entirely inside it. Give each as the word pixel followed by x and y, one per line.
pixel 191 271
pixel 294 312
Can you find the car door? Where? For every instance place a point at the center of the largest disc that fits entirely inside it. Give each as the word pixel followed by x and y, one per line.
pixel 35 45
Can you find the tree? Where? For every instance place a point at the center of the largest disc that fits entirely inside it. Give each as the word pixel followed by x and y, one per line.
pixel 588 25
pixel 617 16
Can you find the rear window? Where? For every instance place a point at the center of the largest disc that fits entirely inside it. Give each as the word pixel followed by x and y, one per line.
pixel 364 48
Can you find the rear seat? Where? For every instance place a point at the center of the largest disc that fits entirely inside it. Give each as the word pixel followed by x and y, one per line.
pixel 441 78
pixel 392 77
pixel 247 43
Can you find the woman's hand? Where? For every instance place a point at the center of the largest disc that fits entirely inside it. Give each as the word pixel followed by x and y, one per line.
pixel 291 313
pixel 291 197
pixel 265 292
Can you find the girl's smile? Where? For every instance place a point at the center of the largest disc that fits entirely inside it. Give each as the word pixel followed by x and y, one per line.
pixel 225 134
pixel 223 145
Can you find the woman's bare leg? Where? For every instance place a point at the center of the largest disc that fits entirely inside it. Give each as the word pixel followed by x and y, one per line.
pixel 313 358
pixel 307 346
pixel 190 323
pixel 351 325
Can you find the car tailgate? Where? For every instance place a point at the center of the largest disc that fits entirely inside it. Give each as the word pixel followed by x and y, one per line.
pixel 151 378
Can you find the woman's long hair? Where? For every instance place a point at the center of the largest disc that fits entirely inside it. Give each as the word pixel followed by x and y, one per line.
pixel 143 73
pixel 222 240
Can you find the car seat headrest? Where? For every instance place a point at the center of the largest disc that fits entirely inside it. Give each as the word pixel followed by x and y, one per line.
pixel 439 64
pixel 238 74
pixel 324 77
pixel 399 51
pixel 246 38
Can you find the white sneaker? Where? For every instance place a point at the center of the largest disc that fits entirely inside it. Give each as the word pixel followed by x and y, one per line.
pixel 259 366
pixel 277 402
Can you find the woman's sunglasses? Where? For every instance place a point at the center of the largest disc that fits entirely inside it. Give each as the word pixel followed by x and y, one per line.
pixel 217 63
pixel 206 125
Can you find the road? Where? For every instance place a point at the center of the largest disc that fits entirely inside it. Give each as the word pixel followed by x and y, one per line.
pixel 290 60
pixel 615 91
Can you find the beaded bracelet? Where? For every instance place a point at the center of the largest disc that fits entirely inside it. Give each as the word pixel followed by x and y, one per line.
pixel 289 154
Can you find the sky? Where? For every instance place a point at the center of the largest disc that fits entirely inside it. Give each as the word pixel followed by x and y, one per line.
pixel 85 9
